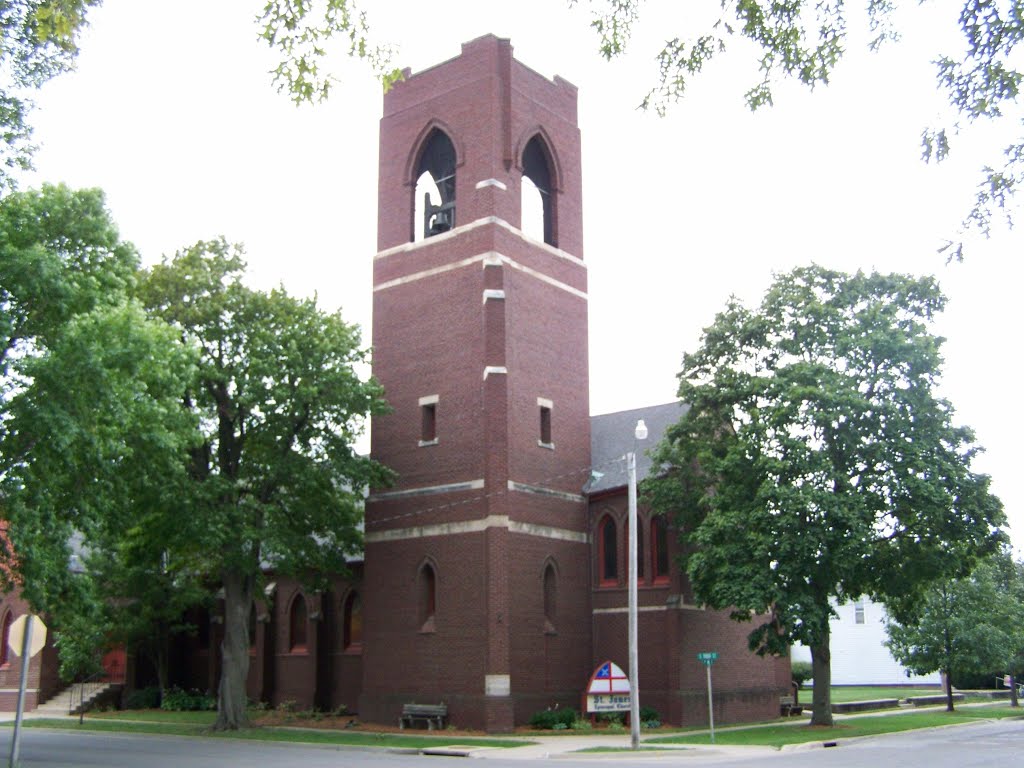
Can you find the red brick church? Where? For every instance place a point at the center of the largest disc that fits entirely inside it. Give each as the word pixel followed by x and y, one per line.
pixel 494 573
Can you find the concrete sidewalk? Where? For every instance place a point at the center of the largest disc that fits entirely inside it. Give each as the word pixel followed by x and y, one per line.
pixel 550 747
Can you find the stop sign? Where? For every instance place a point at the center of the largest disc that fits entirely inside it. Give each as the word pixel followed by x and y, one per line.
pixel 17 635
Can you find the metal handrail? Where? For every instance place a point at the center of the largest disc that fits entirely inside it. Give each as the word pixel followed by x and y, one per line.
pixel 81 694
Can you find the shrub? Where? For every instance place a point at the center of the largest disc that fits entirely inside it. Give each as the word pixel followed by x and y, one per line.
pixel 178 700
pixel 648 713
pixel 802 671
pixel 554 719
pixel 143 698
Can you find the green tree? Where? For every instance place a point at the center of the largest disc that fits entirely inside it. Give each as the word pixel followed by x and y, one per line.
pixel 60 256
pixel 97 435
pixel 39 41
pixel 64 278
pixel 273 479
pixel 966 625
pixel 816 463
pixel 147 574
pixel 92 427
pixel 305 33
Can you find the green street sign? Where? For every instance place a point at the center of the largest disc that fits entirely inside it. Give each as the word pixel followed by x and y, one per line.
pixel 707 658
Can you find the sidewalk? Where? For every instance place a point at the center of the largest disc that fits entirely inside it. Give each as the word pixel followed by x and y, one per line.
pixel 550 747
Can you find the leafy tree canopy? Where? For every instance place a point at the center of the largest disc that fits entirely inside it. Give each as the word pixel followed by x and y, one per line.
pixel 304 33
pixel 92 427
pixel 816 462
pixel 39 41
pixel 273 478
pixel 60 255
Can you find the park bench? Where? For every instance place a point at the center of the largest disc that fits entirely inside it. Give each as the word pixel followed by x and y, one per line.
pixel 433 715
pixel 788 706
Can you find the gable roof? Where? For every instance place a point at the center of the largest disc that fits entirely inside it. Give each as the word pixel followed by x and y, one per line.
pixel 611 437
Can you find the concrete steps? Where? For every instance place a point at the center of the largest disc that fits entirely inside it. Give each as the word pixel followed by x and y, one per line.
pixel 75 698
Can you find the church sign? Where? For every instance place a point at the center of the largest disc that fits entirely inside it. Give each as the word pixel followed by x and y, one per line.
pixel 608 689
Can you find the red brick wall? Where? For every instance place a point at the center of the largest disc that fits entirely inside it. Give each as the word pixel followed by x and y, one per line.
pixel 324 675
pixel 43 672
pixel 672 631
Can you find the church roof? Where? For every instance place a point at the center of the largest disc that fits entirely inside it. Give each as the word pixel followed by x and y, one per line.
pixel 611 437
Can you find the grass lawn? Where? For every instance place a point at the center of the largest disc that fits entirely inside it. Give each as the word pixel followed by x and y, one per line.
pixel 196 724
pixel 780 735
pixel 158 716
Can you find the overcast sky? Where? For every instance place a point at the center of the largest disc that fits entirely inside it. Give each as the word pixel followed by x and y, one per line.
pixel 172 113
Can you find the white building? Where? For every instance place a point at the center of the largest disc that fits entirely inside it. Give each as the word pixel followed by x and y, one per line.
pixel 859 653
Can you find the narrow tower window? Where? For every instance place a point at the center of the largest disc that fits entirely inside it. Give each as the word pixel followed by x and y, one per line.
pixel 544 438
pixel 434 203
pixel 537 210
pixel 297 625
pixel 550 598
pixel 659 547
pixel 352 624
pixel 428 420
pixel 608 551
pixel 427 597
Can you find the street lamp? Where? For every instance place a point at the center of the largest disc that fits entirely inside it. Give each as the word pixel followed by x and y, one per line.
pixel 634 698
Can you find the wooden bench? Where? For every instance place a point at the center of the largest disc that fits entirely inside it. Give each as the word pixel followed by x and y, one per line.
pixel 788 706
pixel 433 715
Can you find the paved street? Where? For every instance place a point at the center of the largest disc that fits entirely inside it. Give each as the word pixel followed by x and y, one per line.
pixel 996 743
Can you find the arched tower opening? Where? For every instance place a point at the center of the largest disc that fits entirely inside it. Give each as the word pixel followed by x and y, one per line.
pixel 538 210
pixel 434 196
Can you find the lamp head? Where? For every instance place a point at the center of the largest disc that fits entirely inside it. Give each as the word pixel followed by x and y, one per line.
pixel 641 430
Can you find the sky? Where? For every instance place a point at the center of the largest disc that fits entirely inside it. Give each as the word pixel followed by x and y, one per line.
pixel 172 112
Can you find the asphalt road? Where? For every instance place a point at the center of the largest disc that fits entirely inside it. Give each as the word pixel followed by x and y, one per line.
pixel 997 743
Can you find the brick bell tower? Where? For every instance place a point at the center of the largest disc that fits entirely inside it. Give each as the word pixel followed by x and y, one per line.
pixel 477 567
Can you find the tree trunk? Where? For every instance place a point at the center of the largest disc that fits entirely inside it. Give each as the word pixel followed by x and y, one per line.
pixel 231 699
pixel 1013 692
pixel 821 665
pixel 948 674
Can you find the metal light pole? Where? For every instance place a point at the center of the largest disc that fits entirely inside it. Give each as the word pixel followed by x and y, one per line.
pixel 634 676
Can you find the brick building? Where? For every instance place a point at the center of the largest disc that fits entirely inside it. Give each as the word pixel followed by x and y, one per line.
pixel 493 577
pixel 494 569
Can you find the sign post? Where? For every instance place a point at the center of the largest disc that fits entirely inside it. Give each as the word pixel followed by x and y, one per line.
pixel 20 640
pixel 708 658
